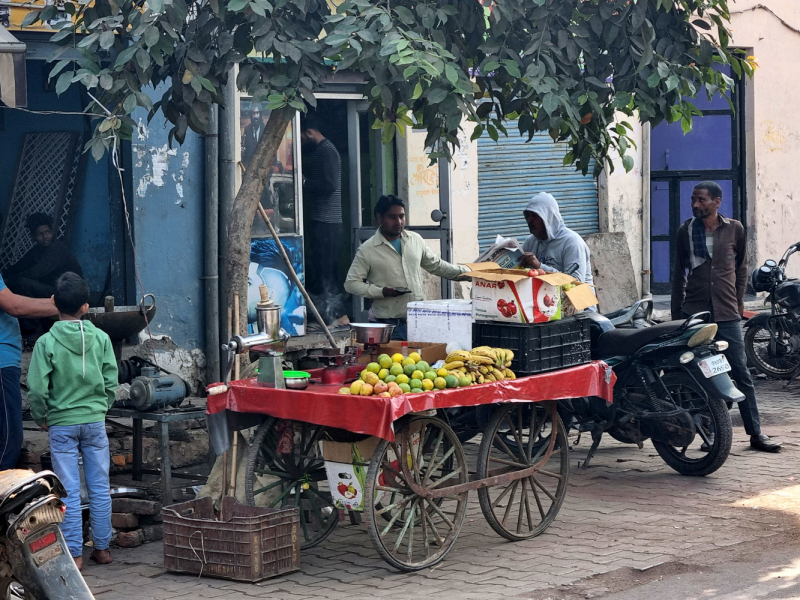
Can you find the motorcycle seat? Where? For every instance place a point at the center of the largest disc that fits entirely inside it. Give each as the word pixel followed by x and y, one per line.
pixel 622 342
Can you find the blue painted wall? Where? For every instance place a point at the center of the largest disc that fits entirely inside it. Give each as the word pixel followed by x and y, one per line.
pixel 168 226
pixel 91 231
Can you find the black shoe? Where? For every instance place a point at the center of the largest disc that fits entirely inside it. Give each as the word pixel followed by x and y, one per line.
pixel 763 443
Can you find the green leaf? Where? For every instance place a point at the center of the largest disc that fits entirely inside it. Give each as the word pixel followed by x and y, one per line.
pixel 98 149
pixel 654 79
pixel 157 6
pixel 627 163
pixel 237 5
pixel 31 18
pixel 686 125
pixel 125 56
pixel 129 104
pixel 550 103
pixel 513 68
pixel 106 39
pixel 62 35
pixel 58 68
pixel 406 16
pixel 451 73
pixel 490 129
pixel 490 66
pixel 436 95
pixel 143 58
pixel 63 82
pixel 151 36
pixel 417 91
pixel 106 81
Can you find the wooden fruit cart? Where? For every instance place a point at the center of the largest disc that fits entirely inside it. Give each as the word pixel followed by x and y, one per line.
pixel 418 504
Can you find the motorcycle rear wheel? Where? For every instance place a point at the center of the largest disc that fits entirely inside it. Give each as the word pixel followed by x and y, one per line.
pixel 716 424
pixel 757 348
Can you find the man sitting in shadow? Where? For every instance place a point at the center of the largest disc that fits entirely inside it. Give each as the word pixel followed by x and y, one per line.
pixel 35 274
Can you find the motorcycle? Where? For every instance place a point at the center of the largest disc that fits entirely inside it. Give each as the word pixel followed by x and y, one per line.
pixel 772 341
pixel 35 563
pixel 672 388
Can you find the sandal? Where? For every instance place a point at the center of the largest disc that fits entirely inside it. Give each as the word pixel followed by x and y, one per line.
pixel 106 560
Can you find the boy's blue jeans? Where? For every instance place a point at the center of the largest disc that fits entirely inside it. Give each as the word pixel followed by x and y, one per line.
pixel 91 441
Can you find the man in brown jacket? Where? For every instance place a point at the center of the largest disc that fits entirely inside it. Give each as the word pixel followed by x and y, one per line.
pixel 713 251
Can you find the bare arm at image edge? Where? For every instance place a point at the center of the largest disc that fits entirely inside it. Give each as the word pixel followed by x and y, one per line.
pixel 22 306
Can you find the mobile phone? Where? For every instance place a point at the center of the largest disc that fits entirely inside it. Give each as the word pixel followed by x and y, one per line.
pixel 403 290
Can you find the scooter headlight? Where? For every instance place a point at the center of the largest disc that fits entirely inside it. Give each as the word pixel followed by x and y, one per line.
pixel 704 335
pixel 686 357
pixel 720 345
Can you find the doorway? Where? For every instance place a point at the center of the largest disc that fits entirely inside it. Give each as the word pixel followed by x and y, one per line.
pixel 713 150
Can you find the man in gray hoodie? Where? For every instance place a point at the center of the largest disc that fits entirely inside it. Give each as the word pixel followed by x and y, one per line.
pixel 552 246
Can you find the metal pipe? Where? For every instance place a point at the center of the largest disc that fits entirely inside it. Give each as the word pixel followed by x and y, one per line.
pixel 311 306
pixel 228 138
pixel 646 267
pixel 211 247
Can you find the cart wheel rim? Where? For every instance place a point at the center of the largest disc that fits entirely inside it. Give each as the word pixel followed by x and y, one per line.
pixel 526 507
pixel 419 532
pixel 296 478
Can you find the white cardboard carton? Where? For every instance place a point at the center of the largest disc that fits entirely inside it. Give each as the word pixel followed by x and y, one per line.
pixel 442 321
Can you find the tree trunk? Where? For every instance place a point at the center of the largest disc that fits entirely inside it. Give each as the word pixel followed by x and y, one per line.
pixel 243 211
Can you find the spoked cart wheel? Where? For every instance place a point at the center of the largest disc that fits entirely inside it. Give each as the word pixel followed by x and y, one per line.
pixel 412 530
pixel 524 507
pixel 297 478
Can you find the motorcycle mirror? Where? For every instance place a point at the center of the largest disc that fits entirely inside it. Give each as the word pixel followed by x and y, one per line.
pixel 770 263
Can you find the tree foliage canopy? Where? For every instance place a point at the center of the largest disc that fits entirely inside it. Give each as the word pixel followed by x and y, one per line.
pixel 568 67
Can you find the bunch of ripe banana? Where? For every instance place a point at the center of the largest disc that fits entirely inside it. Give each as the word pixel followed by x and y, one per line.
pixel 482 364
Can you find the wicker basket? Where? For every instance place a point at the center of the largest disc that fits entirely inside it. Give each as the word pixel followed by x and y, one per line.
pixel 246 543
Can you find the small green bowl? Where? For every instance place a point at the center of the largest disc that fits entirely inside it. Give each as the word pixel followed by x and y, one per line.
pixel 296 380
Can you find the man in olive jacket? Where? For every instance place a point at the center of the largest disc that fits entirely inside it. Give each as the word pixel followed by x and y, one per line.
pixel 713 250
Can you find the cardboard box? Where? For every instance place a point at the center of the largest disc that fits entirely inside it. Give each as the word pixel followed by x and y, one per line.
pixel 511 296
pixel 346 467
pixel 431 352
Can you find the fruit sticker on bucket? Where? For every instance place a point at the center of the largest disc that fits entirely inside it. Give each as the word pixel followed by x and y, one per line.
pixel 519 296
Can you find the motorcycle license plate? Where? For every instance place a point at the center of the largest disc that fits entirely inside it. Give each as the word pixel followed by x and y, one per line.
pixel 714 365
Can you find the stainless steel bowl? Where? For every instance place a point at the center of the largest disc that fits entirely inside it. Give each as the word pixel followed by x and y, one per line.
pixel 296 383
pixel 372 333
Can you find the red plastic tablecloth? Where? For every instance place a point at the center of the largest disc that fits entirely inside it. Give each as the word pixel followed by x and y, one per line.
pixel 372 415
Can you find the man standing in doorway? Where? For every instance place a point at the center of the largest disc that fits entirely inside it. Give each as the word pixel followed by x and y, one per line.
pixel 388 266
pixel 713 250
pixel 322 195
pixel 12 307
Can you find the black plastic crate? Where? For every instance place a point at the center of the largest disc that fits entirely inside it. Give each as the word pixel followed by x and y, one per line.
pixel 538 347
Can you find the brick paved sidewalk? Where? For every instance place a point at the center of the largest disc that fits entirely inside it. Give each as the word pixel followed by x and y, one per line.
pixel 627 510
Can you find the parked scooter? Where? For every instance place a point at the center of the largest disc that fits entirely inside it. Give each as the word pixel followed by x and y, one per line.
pixel 772 341
pixel 672 388
pixel 35 562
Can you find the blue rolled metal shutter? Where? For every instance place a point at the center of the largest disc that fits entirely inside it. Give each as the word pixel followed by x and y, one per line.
pixel 510 171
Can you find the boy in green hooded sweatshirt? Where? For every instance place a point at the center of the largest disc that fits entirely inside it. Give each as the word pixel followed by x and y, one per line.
pixel 72 382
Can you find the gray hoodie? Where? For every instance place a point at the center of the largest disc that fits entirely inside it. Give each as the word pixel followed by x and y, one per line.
pixel 563 250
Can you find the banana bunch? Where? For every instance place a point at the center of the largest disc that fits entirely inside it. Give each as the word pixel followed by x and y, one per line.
pixel 482 364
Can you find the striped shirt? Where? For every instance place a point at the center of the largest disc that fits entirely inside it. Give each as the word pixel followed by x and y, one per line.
pixel 322 189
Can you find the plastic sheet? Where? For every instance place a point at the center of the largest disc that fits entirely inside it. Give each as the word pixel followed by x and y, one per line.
pixel 372 415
